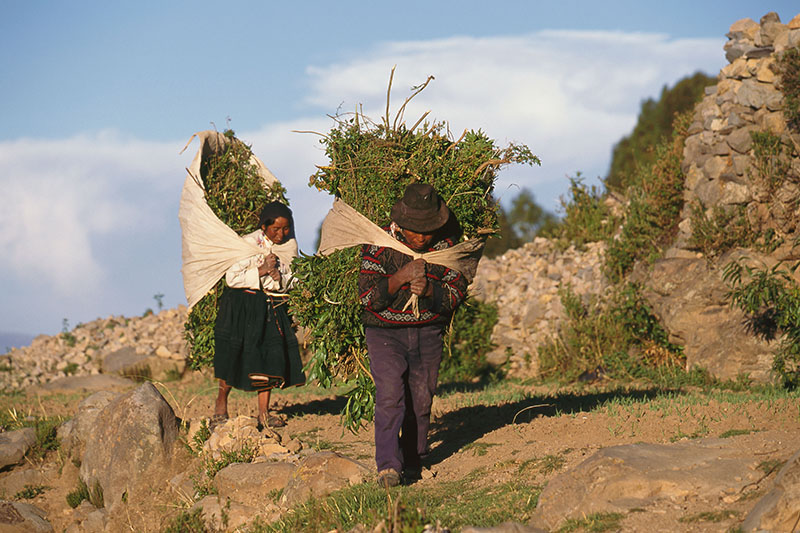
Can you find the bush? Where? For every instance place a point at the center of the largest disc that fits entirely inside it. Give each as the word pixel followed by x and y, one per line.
pixel 789 73
pixel 370 164
pixel 617 335
pixel 586 217
pixel 771 299
pixel 656 201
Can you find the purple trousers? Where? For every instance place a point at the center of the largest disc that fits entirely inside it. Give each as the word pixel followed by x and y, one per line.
pixel 405 366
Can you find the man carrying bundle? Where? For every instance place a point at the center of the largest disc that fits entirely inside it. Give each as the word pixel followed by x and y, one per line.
pixel 405 341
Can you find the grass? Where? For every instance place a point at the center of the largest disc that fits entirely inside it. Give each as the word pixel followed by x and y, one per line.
pixel 470 501
pixel 709 516
pixel 593 523
pixel 30 492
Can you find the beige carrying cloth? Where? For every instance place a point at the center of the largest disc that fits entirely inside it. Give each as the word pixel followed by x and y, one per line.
pixel 209 246
pixel 345 227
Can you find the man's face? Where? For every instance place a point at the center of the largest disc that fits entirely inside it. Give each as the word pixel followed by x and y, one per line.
pixel 417 241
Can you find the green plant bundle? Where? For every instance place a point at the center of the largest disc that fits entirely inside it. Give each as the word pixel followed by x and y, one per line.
pixel 236 193
pixel 369 167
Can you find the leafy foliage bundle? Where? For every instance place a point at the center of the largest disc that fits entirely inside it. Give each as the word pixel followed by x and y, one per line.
pixel 236 193
pixel 370 164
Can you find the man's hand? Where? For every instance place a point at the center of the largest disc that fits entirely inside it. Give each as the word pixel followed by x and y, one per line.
pixel 411 271
pixel 419 286
pixel 408 273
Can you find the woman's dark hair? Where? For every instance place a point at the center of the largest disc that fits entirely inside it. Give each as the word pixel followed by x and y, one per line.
pixel 273 211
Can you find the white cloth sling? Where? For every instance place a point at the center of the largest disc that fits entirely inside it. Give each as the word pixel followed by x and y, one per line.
pixel 209 246
pixel 345 227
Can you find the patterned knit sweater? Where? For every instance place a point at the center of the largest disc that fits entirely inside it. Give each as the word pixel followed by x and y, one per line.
pixel 384 310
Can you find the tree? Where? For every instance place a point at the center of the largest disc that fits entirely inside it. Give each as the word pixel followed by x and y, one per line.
pixel 653 127
pixel 521 224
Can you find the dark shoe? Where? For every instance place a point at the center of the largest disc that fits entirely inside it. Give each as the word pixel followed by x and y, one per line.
pixel 412 474
pixel 215 421
pixel 271 421
pixel 388 478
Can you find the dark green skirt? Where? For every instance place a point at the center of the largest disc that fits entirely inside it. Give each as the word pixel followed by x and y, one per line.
pixel 253 335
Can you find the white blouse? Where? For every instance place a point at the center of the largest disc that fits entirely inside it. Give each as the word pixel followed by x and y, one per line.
pixel 244 274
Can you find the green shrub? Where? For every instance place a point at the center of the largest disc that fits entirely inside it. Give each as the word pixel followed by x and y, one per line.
pixel 586 217
pixel 187 522
pixel 655 203
pixel 721 230
pixel 370 164
pixel 789 73
pixel 771 299
pixel 235 192
pixel 770 163
pixel 617 333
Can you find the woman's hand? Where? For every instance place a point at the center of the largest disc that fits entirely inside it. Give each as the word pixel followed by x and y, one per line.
pixel 270 267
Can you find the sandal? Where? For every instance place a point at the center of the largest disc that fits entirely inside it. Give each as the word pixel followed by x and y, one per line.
pixel 215 421
pixel 271 421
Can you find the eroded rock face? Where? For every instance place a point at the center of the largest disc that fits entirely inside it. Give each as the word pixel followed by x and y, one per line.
pixel 18 517
pixel 320 474
pixel 621 478
pixel 689 298
pixel 779 510
pixel 131 438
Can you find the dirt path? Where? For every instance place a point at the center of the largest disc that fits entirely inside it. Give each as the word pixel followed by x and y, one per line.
pixel 494 434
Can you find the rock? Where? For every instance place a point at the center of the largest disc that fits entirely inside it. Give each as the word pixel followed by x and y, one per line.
pixel 14 445
pixel 684 294
pixel 621 478
pixel 16 480
pixel 18 517
pixel 74 433
pixel 252 484
pixel 778 509
pixel 755 94
pixel 220 515
pixel 505 527
pixel 320 474
pixel 132 437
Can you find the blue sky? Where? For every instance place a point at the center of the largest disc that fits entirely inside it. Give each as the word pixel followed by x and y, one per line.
pixel 99 98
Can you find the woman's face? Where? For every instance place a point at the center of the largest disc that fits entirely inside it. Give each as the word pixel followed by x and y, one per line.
pixel 417 241
pixel 278 231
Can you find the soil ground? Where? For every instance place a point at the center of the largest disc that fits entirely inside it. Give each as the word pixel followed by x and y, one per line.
pixel 491 432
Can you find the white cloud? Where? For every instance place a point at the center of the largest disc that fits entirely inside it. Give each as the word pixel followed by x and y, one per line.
pixel 61 195
pixel 79 211
pixel 568 95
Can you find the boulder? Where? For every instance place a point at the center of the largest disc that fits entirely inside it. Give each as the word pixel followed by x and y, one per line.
pixel 131 440
pixel 14 445
pixel 778 510
pixel 320 474
pixel 18 517
pixel 252 484
pixel 621 478
pixel 690 300
pixel 74 433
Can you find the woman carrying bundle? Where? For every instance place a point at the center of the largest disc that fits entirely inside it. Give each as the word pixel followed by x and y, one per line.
pixel 255 346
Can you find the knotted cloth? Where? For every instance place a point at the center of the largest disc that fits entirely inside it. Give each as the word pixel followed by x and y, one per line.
pixel 345 227
pixel 209 247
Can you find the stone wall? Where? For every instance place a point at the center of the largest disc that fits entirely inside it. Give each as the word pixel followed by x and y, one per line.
pixel 718 154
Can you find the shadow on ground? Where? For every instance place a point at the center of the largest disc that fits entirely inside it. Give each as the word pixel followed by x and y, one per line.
pixel 456 429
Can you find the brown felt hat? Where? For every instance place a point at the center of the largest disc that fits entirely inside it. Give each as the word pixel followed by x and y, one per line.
pixel 421 209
